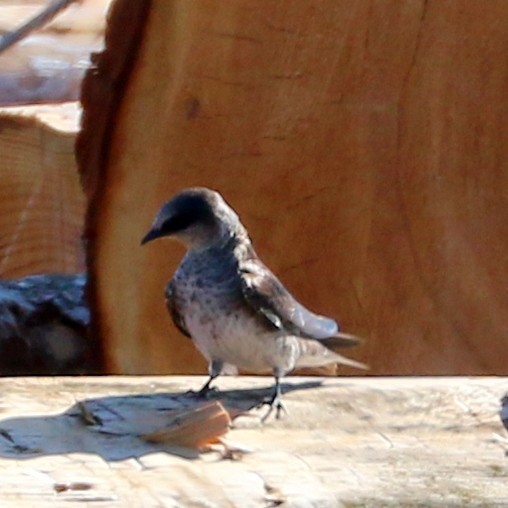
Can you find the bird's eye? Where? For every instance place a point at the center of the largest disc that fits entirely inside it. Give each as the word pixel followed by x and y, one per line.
pixel 178 223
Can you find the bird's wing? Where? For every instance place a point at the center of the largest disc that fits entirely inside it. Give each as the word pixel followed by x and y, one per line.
pixel 266 294
pixel 171 303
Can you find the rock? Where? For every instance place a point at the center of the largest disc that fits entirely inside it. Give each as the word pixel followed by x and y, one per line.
pixel 44 321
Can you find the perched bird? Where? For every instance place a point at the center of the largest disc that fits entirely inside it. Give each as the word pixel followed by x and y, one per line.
pixel 235 310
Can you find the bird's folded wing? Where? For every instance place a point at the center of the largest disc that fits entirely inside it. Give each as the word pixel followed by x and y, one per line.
pixel 172 305
pixel 266 294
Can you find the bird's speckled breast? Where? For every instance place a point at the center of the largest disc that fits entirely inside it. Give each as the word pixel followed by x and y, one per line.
pixel 208 294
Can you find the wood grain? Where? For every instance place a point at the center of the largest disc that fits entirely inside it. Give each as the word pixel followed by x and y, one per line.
pixel 364 146
pixel 43 204
pixel 394 442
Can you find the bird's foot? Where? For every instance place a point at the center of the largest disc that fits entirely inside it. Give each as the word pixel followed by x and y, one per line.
pixel 205 393
pixel 274 402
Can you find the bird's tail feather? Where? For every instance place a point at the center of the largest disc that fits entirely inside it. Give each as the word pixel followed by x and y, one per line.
pixel 350 363
pixel 341 340
pixel 316 353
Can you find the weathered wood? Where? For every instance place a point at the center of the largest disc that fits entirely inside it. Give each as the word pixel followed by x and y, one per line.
pixel 42 202
pixel 350 442
pixel 357 140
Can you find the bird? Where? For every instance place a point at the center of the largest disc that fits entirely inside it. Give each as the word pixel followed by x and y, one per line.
pixel 238 314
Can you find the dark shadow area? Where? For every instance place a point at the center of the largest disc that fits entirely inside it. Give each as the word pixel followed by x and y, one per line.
pixel 44 327
pixel 112 427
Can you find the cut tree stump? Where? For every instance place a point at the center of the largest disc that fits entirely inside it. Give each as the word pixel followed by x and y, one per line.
pixel 364 144
pixel 42 202
pixel 395 442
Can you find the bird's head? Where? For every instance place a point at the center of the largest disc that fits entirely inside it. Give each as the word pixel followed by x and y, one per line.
pixel 198 217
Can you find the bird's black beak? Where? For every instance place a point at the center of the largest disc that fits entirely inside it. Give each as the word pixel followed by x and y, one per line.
pixel 151 235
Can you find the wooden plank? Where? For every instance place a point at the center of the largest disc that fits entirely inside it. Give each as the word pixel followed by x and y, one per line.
pixel 364 145
pixel 354 442
pixel 42 202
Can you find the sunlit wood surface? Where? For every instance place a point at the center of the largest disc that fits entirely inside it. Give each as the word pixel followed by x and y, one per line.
pixel 345 442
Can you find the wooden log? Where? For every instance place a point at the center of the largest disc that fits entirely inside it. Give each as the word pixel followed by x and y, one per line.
pixel 42 202
pixel 399 442
pixel 362 143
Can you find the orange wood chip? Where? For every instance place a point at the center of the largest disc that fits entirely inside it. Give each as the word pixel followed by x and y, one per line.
pixel 194 427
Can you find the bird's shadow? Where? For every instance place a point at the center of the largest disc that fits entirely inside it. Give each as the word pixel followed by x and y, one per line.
pixel 112 426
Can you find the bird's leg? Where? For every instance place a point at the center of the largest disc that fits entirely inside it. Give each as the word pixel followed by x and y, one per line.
pixel 214 369
pixel 275 401
pixel 205 390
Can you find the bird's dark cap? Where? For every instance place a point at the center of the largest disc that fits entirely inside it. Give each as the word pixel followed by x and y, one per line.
pixel 190 206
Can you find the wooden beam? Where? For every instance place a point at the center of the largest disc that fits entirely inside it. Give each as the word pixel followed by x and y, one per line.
pixel 405 442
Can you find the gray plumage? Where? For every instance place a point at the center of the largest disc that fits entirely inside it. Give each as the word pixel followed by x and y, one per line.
pixel 237 312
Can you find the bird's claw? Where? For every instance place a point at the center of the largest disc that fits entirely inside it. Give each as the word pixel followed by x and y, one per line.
pixel 205 393
pixel 273 403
